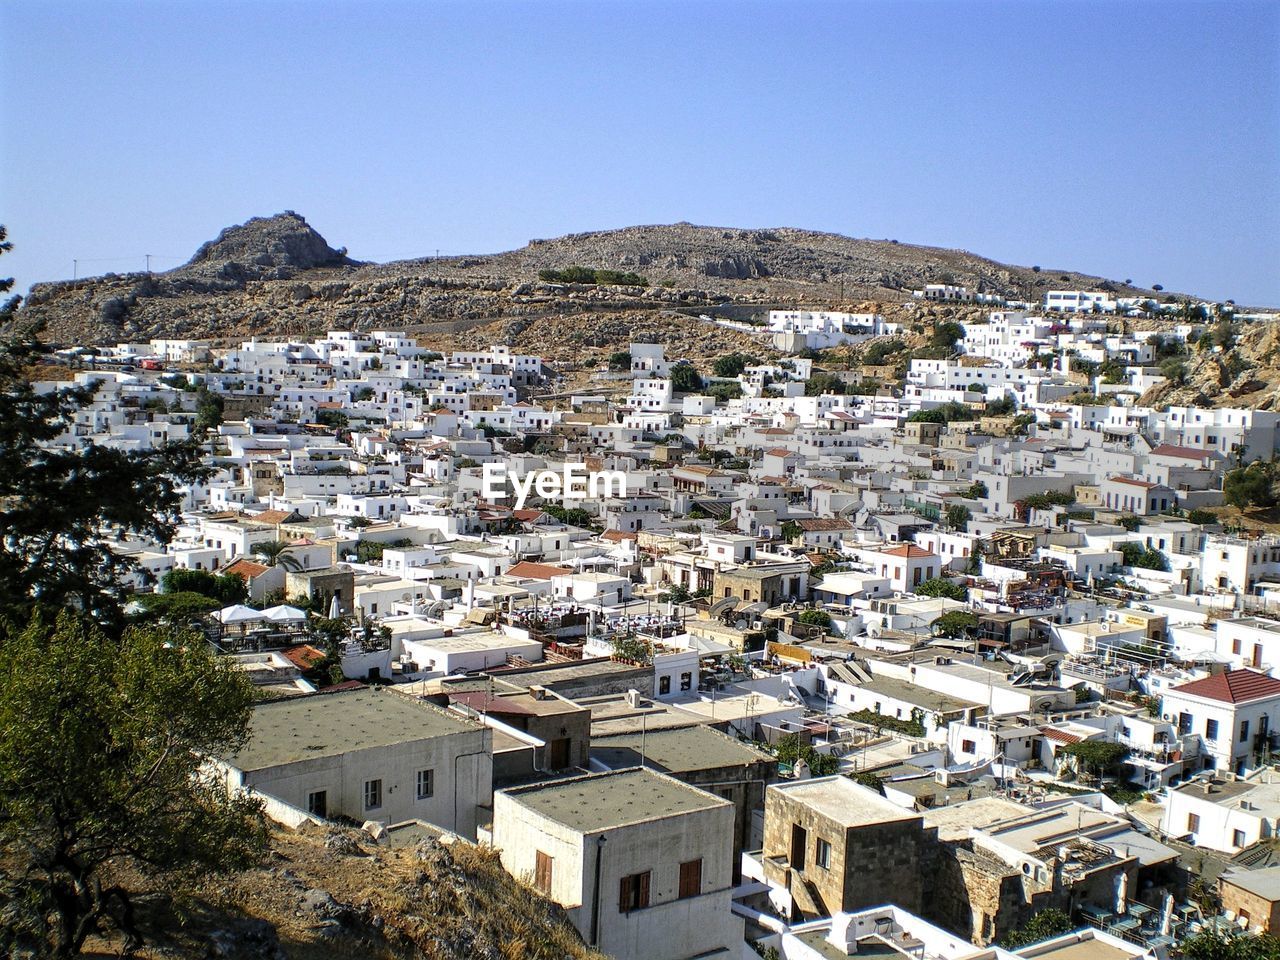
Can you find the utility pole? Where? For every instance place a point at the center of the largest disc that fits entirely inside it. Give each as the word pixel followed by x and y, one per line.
pixel 75 269
pixel 148 256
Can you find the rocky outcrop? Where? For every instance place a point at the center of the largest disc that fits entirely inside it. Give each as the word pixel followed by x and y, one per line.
pixel 264 248
pixel 276 276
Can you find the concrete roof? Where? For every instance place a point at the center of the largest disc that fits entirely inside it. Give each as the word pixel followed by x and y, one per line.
pixel 1263 883
pixel 604 801
pixel 844 802
pixel 331 724
pixel 914 693
pixel 675 750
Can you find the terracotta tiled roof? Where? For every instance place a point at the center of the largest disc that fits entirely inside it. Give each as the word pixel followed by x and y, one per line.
pixel 1233 686
pixel 1132 481
pixel 246 568
pixel 617 536
pixel 303 656
pixel 908 550
pixel 1185 453
pixel 1061 736
pixel 537 571
pixel 822 525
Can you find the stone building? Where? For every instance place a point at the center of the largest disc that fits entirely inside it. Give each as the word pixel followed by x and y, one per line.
pixel 1253 896
pixel 836 846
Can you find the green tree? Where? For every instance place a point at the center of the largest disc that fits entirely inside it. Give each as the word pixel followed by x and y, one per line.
pixel 958 516
pixel 954 623
pixel 942 587
pixel 1044 925
pixel 61 504
pixel 1201 517
pixel 1253 485
pixel 1129 522
pixel 732 364
pixel 685 379
pixel 620 360
pixel 209 408
pixel 947 334
pixel 1100 757
pixel 102 750
pixel 790 750
pixel 927 416
pixel 790 531
pixel 274 554
pixel 815 618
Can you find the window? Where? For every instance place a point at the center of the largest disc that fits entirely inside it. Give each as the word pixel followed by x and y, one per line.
pixel 633 892
pixel 691 878
pixel 822 854
pixel 426 784
pixel 1211 729
pixel 968 746
pixel 318 803
pixel 372 794
pixel 686 681
pixel 1244 729
pixel 1193 822
pixel 664 686
pixel 542 872
pixel 1237 838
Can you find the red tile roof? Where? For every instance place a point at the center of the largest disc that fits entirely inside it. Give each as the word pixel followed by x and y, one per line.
pixel 1186 453
pixel 820 525
pixel 1233 686
pixel 1132 481
pixel 617 536
pixel 537 571
pixel 246 568
pixel 908 550
pixel 1061 736
pixel 303 656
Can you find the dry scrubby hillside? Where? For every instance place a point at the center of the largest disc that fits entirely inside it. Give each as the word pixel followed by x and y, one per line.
pixel 1247 375
pixel 277 276
pixel 328 894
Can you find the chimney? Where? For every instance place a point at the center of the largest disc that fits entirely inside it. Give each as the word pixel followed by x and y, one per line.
pixel 538 692
pixel 633 699
pixel 1208 787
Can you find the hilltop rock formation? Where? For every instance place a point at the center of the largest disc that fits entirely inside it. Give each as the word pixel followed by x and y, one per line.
pixel 276 276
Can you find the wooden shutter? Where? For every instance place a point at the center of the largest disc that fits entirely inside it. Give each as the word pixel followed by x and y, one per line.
pixel 691 878
pixel 542 872
pixel 624 894
pixel 642 901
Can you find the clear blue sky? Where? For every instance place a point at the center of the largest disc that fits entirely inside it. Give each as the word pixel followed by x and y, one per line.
pixel 1136 140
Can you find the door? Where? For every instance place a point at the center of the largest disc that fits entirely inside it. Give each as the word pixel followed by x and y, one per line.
pixel 558 753
pixel 799 841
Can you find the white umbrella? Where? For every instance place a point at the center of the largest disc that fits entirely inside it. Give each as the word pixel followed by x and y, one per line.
pixel 1122 893
pixel 1166 920
pixel 335 611
pixel 238 613
pixel 283 613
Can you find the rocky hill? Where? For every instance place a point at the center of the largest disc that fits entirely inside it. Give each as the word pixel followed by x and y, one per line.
pixel 276 276
pixel 329 893
pixel 1244 374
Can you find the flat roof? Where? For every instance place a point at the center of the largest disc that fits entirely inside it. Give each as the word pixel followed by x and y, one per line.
pixel 331 724
pixel 841 800
pixel 601 801
pixel 1264 883
pixel 674 750
pixel 914 693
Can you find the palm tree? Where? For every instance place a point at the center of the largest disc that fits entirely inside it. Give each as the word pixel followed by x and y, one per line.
pixel 273 554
